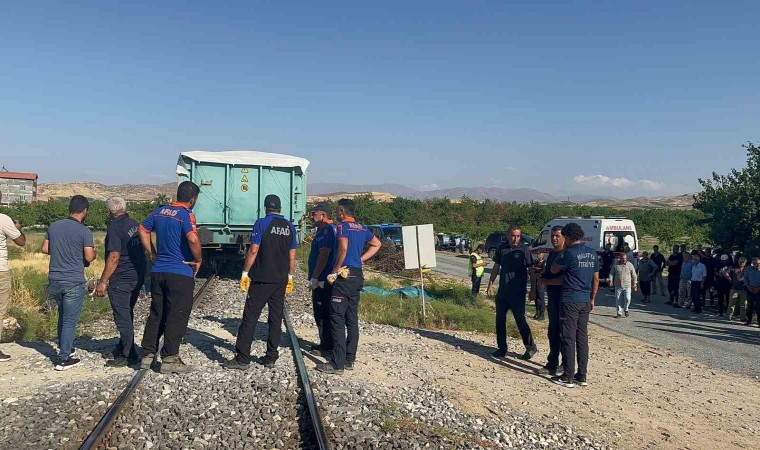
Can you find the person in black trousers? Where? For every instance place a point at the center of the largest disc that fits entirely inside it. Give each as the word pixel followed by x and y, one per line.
pixel 553 285
pixel 511 263
pixel 347 279
pixel 267 277
pixel 580 268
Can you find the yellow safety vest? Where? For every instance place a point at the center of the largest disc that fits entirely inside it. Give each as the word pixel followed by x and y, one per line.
pixel 478 270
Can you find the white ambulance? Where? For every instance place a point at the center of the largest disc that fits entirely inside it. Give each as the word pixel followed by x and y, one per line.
pixel 598 231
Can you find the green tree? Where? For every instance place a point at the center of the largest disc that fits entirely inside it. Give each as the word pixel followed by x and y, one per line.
pixel 732 205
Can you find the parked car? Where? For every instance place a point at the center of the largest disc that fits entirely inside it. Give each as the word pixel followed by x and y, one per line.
pixel 495 239
pixel 388 232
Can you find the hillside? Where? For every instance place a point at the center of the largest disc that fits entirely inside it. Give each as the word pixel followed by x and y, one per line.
pixel 97 191
pixel 385 192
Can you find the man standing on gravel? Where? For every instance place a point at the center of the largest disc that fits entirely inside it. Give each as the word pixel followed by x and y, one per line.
pixel 580 266
pixel 172 278
pixel 625 280
pixel 71 248
pixel 123 277
pixel 271 260
pixel 553 285
pixel 321 261
pixel 344 301
pixel 511 262
pixel 9 230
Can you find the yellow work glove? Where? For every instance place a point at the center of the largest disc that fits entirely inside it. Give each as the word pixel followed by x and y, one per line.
pixel 245 282
pixel 289 286
pixel 342 272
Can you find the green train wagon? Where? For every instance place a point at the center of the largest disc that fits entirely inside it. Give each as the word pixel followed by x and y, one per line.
pixel 233 186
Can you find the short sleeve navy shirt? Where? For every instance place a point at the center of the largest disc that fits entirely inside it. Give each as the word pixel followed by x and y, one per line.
pixel 122 237
pixel 358 235
pixel 323 238
pixel 579 263
pixel 172 224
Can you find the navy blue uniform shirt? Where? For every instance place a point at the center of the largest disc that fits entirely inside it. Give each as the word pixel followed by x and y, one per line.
pixel 513 267
pixel 579 263
pixel 172 224
pixel 324 238
pixel 122 237
pixel 358 235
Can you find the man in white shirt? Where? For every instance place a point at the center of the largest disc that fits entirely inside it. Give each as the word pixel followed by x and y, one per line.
pixel 698 275
pixel 625 280
pixel 9 230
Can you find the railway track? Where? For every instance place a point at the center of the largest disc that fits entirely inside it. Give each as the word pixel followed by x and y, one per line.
pixel 101 435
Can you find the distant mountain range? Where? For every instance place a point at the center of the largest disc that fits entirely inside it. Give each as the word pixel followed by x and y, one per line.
pixel 381 192
pixel 521 195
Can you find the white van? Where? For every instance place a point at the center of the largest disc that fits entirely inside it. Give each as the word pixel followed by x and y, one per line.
pixel 598 231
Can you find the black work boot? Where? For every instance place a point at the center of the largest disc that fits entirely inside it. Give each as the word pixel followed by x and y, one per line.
pixel 328 368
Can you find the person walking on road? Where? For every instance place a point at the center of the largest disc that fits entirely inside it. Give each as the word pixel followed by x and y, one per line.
pixel 477 269
pixel 10 230
pixel 580 268
pixel 353 237
pixel 625 280
pixel 71 248
pixel 172 279
pixel 674 263
pixel 646 273
pixel 752 280
pixel 321 261
pixel 267 276
pixel 608 259
pixel 737 300
pixel 122 277
pixel 659 261
pixel 684 285
pixel 511 263
pixel 553 285
pixel 698 276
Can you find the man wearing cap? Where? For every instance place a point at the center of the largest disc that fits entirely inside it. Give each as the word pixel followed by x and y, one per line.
pixel 172 278
pixel 344 300
pixel 321 260
pixel 271 260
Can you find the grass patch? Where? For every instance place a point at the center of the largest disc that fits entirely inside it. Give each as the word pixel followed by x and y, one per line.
pixel 443 313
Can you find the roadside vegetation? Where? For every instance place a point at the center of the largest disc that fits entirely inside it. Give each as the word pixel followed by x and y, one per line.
pixel 38 318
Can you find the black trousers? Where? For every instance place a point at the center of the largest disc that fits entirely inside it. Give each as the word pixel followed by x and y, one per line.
pixel 123 294
pixel 344 317
pixel 259 295
pixel 169 312
pixel 696 296
pixel 320 301
pixel 476 280
pixel 540 298
pixel 555 338
pixel 673 282
pixel 516 302
pixel 724 293
pixel 574 330
pixel 753 307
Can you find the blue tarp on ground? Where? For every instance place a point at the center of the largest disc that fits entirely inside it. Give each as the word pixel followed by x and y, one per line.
pixel 405 292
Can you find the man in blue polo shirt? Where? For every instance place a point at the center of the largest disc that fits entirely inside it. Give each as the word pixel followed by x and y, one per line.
pixel 271 260
pixel 321 261
pixel 579 265
pixel 172 278
pixel 344 301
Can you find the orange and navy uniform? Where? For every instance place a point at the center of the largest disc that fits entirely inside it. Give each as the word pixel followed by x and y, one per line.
pixel 172 224
pixel 357 235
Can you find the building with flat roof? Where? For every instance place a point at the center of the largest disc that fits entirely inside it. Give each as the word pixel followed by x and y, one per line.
pixel 18 187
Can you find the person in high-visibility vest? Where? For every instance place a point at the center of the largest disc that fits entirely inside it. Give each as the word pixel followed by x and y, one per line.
pixel 477 269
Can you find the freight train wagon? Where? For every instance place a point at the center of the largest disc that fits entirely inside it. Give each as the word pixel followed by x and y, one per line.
pixel 233 186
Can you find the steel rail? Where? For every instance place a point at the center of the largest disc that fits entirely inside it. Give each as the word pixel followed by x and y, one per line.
pixel 95 438
pixel 316 418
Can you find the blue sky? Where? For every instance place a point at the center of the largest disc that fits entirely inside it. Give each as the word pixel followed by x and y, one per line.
pixel 622 98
